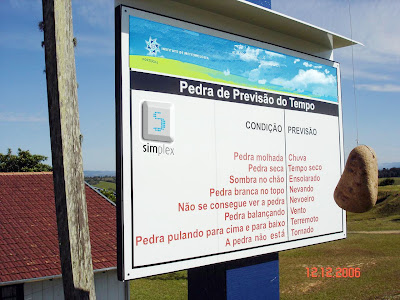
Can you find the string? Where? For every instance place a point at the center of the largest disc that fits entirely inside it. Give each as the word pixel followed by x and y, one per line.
pixel 354 81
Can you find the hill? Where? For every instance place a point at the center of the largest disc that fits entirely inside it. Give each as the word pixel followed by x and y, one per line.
pixel 384 216
pixel 99 173
pixel 95 180
pixel 106 185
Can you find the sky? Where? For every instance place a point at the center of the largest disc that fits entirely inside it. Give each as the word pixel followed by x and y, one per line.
pixel 23 96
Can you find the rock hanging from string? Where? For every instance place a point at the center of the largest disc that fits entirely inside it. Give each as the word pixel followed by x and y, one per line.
pixel 357 190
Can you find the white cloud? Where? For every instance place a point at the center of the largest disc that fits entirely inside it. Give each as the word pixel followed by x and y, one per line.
pixel 95 12
pixel 305 78
pixel 372 75
pixel 380 37
pixel 314 76
pixel 375 75
pixel 326 71
pixel 306 64
pixel 21 117
pixel 375 24
pixel 246 54
pixel 317 67
pixel 227 72
pixel 262 81
pixel 268 64
pixel 387 88
pixel 296 61
pixel 255 74
pixel 191 32
pixel 321 91
pixel 274 54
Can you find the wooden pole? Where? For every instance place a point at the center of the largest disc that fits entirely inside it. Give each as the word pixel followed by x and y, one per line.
pixel 69 189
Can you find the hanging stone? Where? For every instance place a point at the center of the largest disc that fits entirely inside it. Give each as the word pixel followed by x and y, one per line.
pixel 357 190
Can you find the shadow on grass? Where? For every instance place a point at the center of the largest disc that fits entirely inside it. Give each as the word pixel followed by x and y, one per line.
pixel 170 276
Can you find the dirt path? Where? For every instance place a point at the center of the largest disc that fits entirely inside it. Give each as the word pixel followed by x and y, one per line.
pixel 377 232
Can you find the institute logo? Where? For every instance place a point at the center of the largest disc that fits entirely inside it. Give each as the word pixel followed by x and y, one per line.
pixel 153 47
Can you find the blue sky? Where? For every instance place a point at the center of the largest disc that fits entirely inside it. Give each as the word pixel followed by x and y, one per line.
pixel 23 104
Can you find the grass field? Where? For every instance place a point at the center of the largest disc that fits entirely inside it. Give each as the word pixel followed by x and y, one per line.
pixel 106 185
pixel 384 216
pixel 377 255
pixel 396 180
pixel 172 286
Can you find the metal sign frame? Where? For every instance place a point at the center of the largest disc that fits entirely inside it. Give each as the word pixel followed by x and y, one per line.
pixel 125 160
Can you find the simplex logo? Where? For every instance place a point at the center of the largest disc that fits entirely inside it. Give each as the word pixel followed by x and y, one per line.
pixel 152 46
pixel 158 149
pixel 158 121
pixel 158 125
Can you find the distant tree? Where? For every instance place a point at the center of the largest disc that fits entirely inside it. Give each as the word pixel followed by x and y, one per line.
pixel 392 172
pixel 109 194
pixel 23 162
pixel 94 180
pixel 387 181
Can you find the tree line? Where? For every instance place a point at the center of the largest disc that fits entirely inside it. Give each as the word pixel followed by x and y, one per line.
pixel 392 172
pixel 24 161
pixel 96 179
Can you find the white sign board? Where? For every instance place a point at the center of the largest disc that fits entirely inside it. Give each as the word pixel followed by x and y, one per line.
pixel 228 147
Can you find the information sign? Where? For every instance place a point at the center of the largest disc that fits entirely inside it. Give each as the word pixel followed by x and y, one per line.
pixel 228 147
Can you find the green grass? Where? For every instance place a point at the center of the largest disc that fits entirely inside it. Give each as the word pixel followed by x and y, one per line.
pixel 384 216
pixel 106 185
pixel 386 223
pixel 171 286
pixel 389 188
pixel 396 180
pixel 376 255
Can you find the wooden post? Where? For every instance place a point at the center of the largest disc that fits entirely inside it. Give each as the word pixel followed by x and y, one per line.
pixel 69 189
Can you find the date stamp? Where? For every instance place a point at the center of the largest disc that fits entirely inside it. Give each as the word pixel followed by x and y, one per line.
pixel 329 272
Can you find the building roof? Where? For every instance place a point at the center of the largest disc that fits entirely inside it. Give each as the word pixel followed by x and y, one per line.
pixel 28 228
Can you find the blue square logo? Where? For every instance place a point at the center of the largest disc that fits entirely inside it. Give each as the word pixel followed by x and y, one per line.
pixel 158 121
